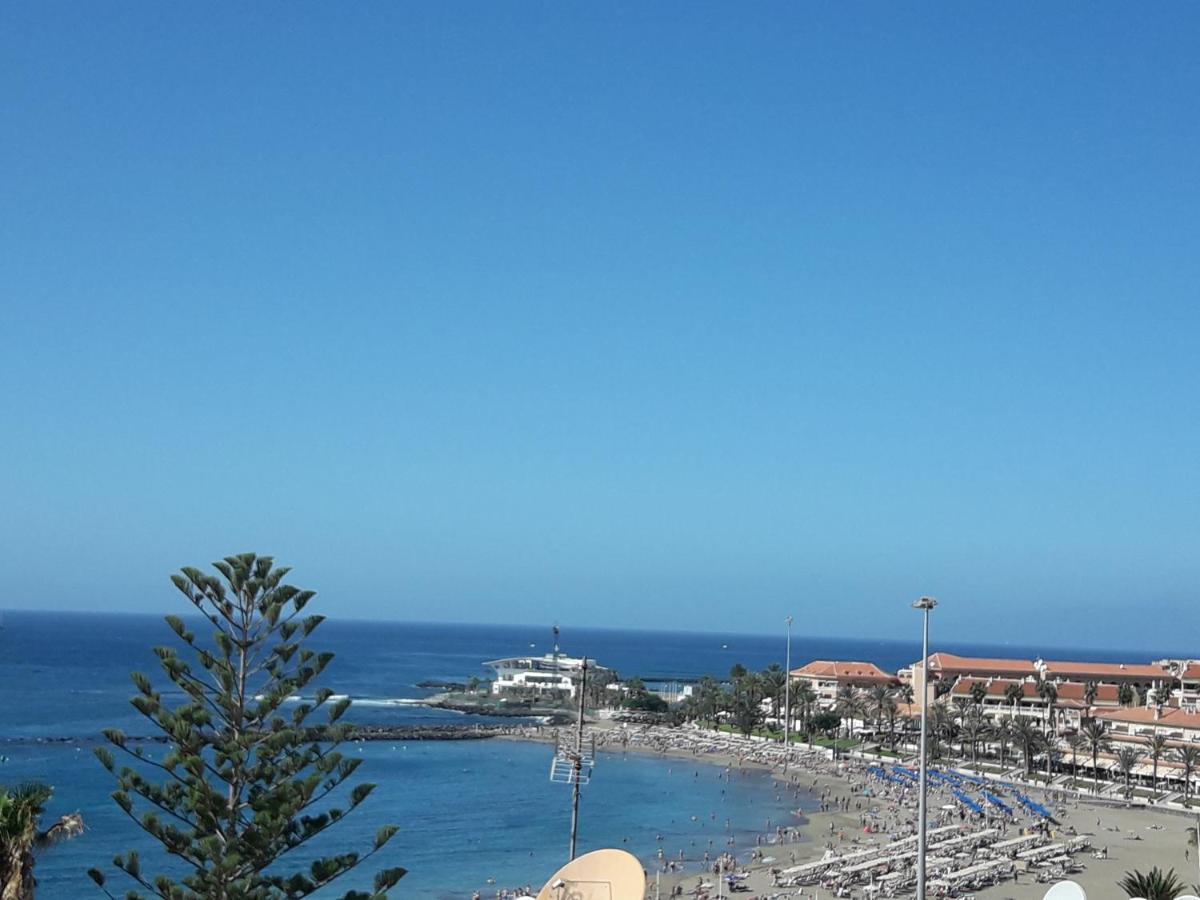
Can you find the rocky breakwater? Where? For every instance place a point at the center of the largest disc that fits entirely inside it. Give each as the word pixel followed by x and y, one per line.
pixel 432 732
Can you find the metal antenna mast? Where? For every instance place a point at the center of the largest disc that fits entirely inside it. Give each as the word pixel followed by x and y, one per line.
pixel 572 764
pixel 577 762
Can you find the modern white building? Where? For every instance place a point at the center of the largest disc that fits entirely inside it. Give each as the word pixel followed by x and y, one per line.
pixel 551 675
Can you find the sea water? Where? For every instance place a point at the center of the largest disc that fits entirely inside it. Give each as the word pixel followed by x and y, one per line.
pixel 468 811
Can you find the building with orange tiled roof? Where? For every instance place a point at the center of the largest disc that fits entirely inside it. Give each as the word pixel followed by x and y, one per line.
pixel 827 676
pixel 1070 705
pixel 1185 680
pixel 1105 673
pixel 1144 721
pixel 949 667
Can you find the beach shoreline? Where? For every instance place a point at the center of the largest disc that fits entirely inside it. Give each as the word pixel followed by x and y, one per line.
pixel 1127 836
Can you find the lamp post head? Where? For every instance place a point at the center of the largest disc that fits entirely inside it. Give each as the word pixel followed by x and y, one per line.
pixel 925 603
pixel 789 621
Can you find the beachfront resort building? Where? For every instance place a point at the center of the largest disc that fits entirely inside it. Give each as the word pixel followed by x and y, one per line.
pixel 947 669
pixel 1185 680
pixel 826 677
pixel 1177 725
pixel 1009 697
pixel 552 675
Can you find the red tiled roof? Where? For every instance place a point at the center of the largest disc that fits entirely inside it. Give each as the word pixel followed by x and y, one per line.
pixel 1191 670
pixel 843 671
pixel 1089 670
pixel 949 663
pixel 996 688
pixel 1072 691
pixel 1144 715
pixel 1076 690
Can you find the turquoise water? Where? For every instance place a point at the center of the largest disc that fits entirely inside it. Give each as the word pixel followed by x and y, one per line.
pixel 467 811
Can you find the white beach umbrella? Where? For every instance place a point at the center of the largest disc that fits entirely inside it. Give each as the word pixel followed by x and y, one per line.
pixel 1066 890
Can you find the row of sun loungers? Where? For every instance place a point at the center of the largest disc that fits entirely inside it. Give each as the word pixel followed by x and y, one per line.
pixel 889 867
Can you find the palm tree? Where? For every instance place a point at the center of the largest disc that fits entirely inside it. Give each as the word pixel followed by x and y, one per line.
pixel 737 679
pixel 805 698
pixel 1152 885
pixel 961 705
pixel 1095 735
pixel 1089 693
pixel 1002 732
pixel 1157 745
pixel 1125 695
pixel 1188 757
pixel 1031 737
pixel 848 706
pixel 1013 694
pixel 878 699
pixel 1048 691
pixel 978 693
pixel 941 725
pixel 974 729
pixel 773 680
pixel 1077 742
pixel 710 696
pixel 21 808
pixel 1127 758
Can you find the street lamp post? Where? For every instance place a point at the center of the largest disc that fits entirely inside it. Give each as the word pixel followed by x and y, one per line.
pixel 925 604
pixel 787 691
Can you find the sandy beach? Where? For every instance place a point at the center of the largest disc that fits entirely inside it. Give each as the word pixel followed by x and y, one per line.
pixel 839 799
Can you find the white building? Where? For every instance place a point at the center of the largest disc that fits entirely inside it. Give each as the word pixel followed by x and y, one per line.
pixel 549 675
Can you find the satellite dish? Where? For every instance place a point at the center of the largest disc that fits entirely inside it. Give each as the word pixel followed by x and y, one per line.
pixel 599 875
pixel 1066 890
pixel 1187 897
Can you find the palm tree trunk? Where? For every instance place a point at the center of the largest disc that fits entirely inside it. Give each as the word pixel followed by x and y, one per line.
pixel 16 874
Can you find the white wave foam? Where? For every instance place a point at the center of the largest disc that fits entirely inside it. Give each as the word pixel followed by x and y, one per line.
pixel 357 701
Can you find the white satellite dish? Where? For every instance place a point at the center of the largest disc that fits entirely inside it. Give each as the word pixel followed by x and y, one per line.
pixel 599 875
pixel 1066 890
pixel 1187 897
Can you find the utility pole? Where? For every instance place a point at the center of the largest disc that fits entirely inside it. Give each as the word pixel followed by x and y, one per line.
pixel 577 761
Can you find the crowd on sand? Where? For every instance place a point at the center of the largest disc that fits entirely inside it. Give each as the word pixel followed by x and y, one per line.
pixel 852 832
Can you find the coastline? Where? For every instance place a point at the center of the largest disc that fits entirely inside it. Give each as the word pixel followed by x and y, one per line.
pixel 1128 836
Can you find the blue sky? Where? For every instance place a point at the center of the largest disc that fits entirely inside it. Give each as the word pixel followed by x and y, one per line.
pixel 663 315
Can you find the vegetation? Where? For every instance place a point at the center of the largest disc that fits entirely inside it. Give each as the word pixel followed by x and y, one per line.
pixel 1153 885
pixel 1127 758
pixel 1189 759
pixel 1095 735
pixel 21 809
pixel 1157 745
pixel 1125 695
pixel 1026 732
pixel 637 697
pixel 241 779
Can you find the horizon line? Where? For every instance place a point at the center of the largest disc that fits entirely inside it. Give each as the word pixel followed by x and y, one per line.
pixel 602 628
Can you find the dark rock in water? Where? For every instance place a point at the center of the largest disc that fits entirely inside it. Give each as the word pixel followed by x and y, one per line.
pixel 457 686
pixel 427 732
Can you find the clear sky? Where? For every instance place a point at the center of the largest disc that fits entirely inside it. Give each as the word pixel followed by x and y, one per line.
pixel 634 314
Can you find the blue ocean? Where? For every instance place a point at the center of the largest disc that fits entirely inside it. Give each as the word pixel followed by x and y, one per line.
pixel 472 814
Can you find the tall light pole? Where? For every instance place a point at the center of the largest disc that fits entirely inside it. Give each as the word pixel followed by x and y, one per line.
pixel 925 604
pixel 787 690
